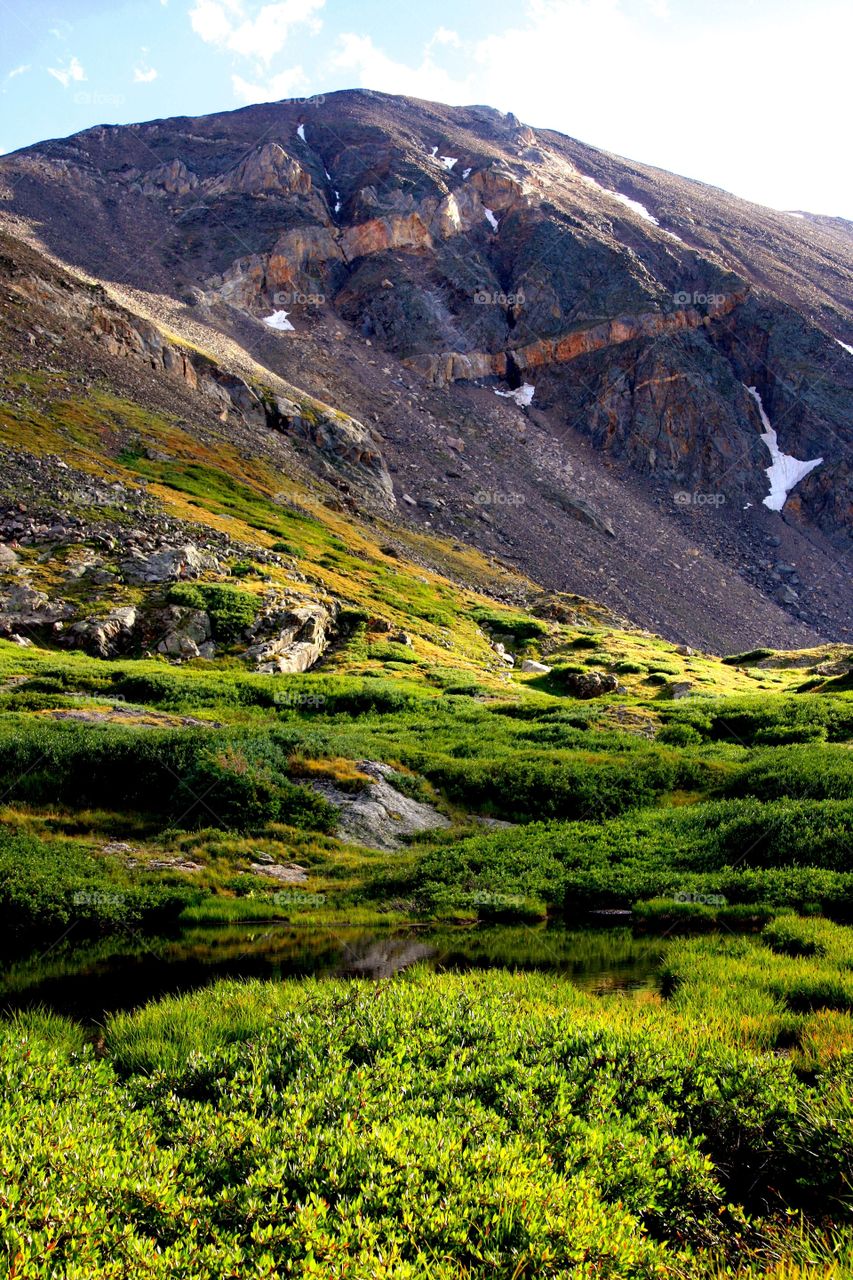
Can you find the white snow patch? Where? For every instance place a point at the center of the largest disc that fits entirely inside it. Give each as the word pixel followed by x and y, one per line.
pixel 278 320
pixel 784 471
pixel 300 132
pixel 626 200
pixel 328 175
pixel 790 214
pixel 491 219
pixel 337 202
pixel 635 205
pixel 849 350
pixel 446 162
pixel 522 395
pixel 466 173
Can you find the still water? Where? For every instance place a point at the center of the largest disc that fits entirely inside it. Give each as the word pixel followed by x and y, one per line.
pixel 89 982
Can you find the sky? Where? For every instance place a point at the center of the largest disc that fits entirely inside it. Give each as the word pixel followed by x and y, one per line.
pixel 749 95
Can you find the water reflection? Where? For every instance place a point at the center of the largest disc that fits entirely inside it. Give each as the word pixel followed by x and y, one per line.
pixel 89 981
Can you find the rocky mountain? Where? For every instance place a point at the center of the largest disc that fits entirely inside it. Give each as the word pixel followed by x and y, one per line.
pixel 450 326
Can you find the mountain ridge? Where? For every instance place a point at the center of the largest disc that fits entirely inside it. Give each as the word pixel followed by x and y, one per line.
pixel 641 430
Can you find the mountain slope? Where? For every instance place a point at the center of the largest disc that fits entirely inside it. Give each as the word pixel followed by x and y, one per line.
pixel 418 287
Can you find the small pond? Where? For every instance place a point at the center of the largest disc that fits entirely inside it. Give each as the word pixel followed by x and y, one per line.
pixel 88 982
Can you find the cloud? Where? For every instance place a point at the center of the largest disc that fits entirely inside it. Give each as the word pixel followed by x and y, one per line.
pixel 65 75
pixel 18 71
pixel 368 67
pixel 226 24
pixel 144 75
pixel 281 85
pixel 618 74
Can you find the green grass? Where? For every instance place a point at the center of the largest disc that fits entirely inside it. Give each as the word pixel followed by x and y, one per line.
pixel 471 1125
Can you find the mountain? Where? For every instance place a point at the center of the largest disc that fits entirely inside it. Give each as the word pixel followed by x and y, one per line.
pixel 353 297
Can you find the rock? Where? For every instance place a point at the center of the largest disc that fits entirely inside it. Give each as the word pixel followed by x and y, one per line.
pixel 409 500
pixel 379 817
pixel 105 637
pixel 188 633
pixel 401 637
pixel 680 689
pixel 301 637
pixel 539 668
pixel 21 640
pixel 8 558
pixel 588 684
pixel 285 873
pixel 684 650
pixel 186 561
pixel 787 595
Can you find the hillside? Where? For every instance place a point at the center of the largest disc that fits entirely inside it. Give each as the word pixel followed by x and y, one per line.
pixel 637 474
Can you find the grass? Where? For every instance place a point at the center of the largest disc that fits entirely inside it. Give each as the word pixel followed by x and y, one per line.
pixel 485 1124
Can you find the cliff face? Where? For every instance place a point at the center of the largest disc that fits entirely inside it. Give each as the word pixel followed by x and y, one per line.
pixel 438 251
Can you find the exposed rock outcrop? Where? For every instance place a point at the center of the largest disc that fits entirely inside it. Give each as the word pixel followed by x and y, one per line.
pixel 380 816
pixel 287 639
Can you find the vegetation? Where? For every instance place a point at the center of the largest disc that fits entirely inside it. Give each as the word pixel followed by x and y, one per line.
pixel 478 1125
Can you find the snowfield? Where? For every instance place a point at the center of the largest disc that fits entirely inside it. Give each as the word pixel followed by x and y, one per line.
pixel 278 320
pixel 523 395
pixel 784 472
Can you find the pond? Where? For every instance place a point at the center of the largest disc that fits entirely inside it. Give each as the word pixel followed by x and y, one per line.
pixel 88 982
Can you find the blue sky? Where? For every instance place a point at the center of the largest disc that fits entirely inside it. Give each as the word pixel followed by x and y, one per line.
pixel 750 95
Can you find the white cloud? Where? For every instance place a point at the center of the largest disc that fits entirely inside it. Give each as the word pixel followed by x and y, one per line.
pixel 18 71
pixel 282 85
pixel 144 75
pixel 632 68
pixel 371 68
pixel 65 75
pixel 225 23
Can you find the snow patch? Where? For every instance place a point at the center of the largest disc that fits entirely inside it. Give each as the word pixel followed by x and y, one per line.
pixel 784 471
pixel 491 219
pixel 466 173
pixel 849 350
pixel 446 162
pixel 337 202
pixel 523 395
pixel 790 214
pixel 278 320
pixel 626 200
pixel 300 132
pixel 635 205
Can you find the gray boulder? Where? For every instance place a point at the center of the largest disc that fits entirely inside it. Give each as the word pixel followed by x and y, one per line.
pixel 300 636
pixel 105 637
pixel 379 817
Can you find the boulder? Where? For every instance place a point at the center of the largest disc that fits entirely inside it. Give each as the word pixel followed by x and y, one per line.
pixel 588 684
pixel 105 637
pixel 379 817
pixel 188 634
pixel 537 668
pixel 186 561
pixel 300 637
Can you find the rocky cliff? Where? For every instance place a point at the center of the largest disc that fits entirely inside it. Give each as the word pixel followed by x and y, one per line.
pixel 363 274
